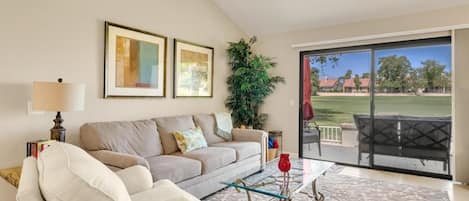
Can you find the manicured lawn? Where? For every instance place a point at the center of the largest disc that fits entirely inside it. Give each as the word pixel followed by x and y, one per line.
pixel 333 110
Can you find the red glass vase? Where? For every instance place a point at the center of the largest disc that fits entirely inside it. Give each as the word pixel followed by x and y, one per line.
pixel 284 164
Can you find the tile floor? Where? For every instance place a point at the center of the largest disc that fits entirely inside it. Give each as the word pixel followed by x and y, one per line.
pixel 456 192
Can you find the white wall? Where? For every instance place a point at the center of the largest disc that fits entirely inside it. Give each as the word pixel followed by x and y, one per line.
pixel 47 39
pixel 461 100
pixel 283 104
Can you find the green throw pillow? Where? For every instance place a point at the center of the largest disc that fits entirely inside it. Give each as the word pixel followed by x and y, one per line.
pixel 190 140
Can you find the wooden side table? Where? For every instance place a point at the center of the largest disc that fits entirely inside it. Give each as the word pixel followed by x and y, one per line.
pixel 9 180
pixel 11 175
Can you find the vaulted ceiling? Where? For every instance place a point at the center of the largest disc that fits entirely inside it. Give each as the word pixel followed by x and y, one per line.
pixel 260 17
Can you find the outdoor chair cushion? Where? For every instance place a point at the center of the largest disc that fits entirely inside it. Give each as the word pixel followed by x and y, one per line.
pixel 212 158
pixel 425 153
pixel 310 137
pixel 243 149
pixel 381 149
pixel 174 168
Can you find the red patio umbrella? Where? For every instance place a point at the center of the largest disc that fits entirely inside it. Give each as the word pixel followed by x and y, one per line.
pixel 308 112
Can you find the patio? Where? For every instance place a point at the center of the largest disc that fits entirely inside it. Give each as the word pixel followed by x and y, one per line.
pixel 346 151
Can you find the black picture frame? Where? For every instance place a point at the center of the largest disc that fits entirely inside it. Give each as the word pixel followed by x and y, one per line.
pixel 211 60
pixel 107 49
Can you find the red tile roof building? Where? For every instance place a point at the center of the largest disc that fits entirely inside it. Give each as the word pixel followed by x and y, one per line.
pixel 328 85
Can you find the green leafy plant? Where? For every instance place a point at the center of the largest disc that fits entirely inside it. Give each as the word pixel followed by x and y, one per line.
pixel 249 84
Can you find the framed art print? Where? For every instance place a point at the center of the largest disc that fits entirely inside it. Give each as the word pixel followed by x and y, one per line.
pixel 135 62
pixel 193 70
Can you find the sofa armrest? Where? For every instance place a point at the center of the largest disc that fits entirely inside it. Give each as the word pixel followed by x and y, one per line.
pixel 29 190
pixel 120 160
pixel 136 179
pixel 252 135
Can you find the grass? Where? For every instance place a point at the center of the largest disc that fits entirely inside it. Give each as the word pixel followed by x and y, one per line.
pixel 333 110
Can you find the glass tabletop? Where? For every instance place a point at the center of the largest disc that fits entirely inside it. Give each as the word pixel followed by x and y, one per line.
pixel 268 182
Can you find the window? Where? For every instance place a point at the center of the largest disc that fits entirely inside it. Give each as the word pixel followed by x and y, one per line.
pixel 383 106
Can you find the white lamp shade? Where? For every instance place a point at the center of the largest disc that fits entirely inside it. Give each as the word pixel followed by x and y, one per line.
pixel 58 97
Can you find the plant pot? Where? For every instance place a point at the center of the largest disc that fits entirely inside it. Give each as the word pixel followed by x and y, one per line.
pixel 271 154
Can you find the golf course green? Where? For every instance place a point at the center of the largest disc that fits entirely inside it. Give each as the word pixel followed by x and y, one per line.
pixel 334 110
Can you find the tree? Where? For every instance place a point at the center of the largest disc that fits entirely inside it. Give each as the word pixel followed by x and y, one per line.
pixel 348 74
pixel 445 81
pixel 416 81
pixel 317 63
pixel 249 84
pixel 322 59
pixel 393 72
pixel 314 81
pixel 432 72
pixel 365 75
pixel 357 82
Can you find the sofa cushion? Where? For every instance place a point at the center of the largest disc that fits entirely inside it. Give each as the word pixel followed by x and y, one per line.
pixel 168 125
pixel 209 127
pixel 243 149
pixel 164 190
pixel 212 158
pixel 67 172
pixel 174 168
pixel 131 137
pixel 136 178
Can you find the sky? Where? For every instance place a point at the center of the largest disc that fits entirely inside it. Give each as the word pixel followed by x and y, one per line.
pixel 359 62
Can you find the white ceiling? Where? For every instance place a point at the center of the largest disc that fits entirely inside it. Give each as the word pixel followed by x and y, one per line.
pixel 257 17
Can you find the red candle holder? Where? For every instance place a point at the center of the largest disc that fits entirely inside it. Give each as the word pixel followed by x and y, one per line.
pixel 284 164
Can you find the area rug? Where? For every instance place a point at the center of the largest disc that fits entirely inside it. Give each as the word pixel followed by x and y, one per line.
pixel 337 187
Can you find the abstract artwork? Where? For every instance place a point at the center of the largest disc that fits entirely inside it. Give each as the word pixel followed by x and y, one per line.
pixel 193 70
pixel 135 62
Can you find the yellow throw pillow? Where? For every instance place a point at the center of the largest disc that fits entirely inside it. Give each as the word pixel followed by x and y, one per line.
pixel 190 140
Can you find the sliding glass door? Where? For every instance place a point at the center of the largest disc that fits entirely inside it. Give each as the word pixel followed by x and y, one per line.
pixel 413 107
pixel 385 106
pixel 340 87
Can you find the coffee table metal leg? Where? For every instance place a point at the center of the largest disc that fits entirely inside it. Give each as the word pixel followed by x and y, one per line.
pixel 240 181
pixel 318 196
pixel 249 195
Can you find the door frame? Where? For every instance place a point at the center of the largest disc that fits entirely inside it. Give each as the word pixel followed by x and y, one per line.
pixel 372 48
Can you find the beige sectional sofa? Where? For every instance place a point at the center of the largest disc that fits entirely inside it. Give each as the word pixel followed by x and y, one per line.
pixel 150 143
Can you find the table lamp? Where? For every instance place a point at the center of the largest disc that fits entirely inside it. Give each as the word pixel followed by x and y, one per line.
pixel 58 97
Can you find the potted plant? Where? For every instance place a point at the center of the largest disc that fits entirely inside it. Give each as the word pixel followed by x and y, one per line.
pixel 249 84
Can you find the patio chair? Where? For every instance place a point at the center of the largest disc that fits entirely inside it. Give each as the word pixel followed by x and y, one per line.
pixel 427 138
pixel 311 134
pixel 386 138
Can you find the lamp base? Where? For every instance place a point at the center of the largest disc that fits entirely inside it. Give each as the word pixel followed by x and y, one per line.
pixel 58 132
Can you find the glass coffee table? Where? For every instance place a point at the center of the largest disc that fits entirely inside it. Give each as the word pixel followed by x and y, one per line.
pixel 304 172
